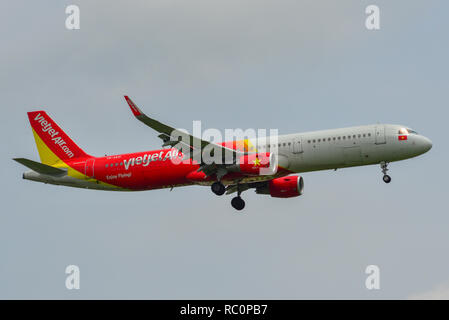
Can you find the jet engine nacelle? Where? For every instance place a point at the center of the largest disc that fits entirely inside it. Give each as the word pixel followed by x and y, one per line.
pixel 284 187
pixel 257 164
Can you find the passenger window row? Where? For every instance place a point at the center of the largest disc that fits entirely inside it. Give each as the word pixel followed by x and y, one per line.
pixel 337 138
pixel 113 164
pixel 283 144
pixel 349 137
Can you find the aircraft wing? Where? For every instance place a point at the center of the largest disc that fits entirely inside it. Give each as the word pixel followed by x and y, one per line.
pixel 178 139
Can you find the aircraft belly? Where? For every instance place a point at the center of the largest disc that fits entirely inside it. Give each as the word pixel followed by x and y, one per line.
pixel 352 155
pixel 318 159
pixel 166 175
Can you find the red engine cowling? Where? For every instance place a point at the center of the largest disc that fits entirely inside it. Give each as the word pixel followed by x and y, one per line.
pixel 285 187
pixel 258 164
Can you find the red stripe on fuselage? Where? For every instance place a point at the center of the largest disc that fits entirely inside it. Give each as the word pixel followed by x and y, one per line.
pixel 141 170
pixel 148 170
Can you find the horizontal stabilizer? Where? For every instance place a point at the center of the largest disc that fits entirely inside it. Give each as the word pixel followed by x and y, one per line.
pixel 41 168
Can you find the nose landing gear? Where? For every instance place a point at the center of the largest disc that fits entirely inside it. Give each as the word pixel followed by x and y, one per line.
pixel 386 178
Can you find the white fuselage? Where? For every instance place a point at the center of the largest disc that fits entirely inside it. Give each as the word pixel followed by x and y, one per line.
pixel 345 147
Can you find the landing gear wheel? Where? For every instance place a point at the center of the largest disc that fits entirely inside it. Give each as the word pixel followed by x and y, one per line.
pixel 238 203
pixel 218 188
pixel 384 167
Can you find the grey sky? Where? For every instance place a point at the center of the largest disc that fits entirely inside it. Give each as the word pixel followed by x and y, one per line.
pixel 291 65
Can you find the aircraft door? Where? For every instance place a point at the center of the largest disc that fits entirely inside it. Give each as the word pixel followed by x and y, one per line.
pixel 296 146
pixel 379 134
pixel 89 168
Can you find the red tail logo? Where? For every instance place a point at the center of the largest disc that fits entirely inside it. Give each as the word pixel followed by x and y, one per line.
pixel 53 136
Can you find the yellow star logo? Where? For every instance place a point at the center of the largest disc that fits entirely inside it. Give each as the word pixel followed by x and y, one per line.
pixel 257 162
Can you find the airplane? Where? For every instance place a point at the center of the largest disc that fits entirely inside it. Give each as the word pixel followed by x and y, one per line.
pixel 258 163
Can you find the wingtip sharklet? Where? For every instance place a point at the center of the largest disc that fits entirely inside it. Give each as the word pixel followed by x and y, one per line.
pixel 135 110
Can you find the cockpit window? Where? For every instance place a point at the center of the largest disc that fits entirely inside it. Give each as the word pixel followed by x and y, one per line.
pixel 407 131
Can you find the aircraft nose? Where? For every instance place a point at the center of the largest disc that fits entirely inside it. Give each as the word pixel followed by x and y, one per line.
pixel 425 144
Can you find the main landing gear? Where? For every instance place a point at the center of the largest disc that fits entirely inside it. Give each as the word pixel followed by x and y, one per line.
pixel 386 178
pixel 218 188
pixel 237 202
